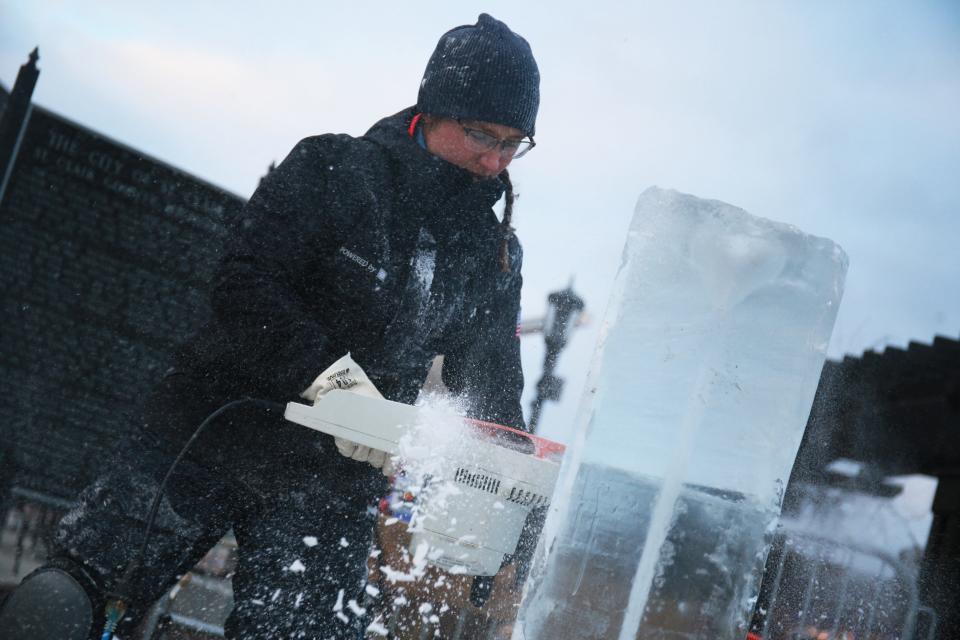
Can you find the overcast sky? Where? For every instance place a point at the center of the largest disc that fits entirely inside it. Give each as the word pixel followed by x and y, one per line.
pixel 838 117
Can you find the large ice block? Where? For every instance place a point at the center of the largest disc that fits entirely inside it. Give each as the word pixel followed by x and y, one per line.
pixel 696 402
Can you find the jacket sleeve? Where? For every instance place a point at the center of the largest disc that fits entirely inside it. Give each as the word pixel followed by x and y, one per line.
pixel 298 212
pixel 485 367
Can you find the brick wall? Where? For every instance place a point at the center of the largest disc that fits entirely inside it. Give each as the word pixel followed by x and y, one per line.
pixel 104 258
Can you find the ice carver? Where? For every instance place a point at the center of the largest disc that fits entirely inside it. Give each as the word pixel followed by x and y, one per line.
pixel 385 246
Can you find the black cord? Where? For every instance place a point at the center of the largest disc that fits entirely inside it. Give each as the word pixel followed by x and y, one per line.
pixel 134 565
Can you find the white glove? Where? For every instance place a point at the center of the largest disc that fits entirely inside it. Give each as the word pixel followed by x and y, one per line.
pixel 379 459
pixel 345 374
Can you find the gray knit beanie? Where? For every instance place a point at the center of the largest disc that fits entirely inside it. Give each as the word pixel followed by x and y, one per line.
pixel 482 72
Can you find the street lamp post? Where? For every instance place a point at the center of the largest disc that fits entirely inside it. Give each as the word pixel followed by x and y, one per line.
pixel 563 309
pixel 15 116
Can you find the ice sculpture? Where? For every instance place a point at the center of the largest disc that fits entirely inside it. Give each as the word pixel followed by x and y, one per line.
pixel 695 405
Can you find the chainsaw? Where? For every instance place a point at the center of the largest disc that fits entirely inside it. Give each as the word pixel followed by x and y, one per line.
pixel 493 476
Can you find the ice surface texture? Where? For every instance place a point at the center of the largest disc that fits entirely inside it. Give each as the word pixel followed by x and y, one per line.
pixel 696 402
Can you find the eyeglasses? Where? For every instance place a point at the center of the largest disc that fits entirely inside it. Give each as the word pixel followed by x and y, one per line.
pixel 481 142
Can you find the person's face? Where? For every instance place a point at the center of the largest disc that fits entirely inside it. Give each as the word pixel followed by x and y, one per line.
pixel 466 144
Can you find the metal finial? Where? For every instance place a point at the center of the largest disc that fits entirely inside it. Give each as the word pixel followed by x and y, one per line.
pixel 34 56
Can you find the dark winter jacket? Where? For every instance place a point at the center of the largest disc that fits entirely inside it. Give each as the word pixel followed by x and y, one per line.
pixel 372 246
